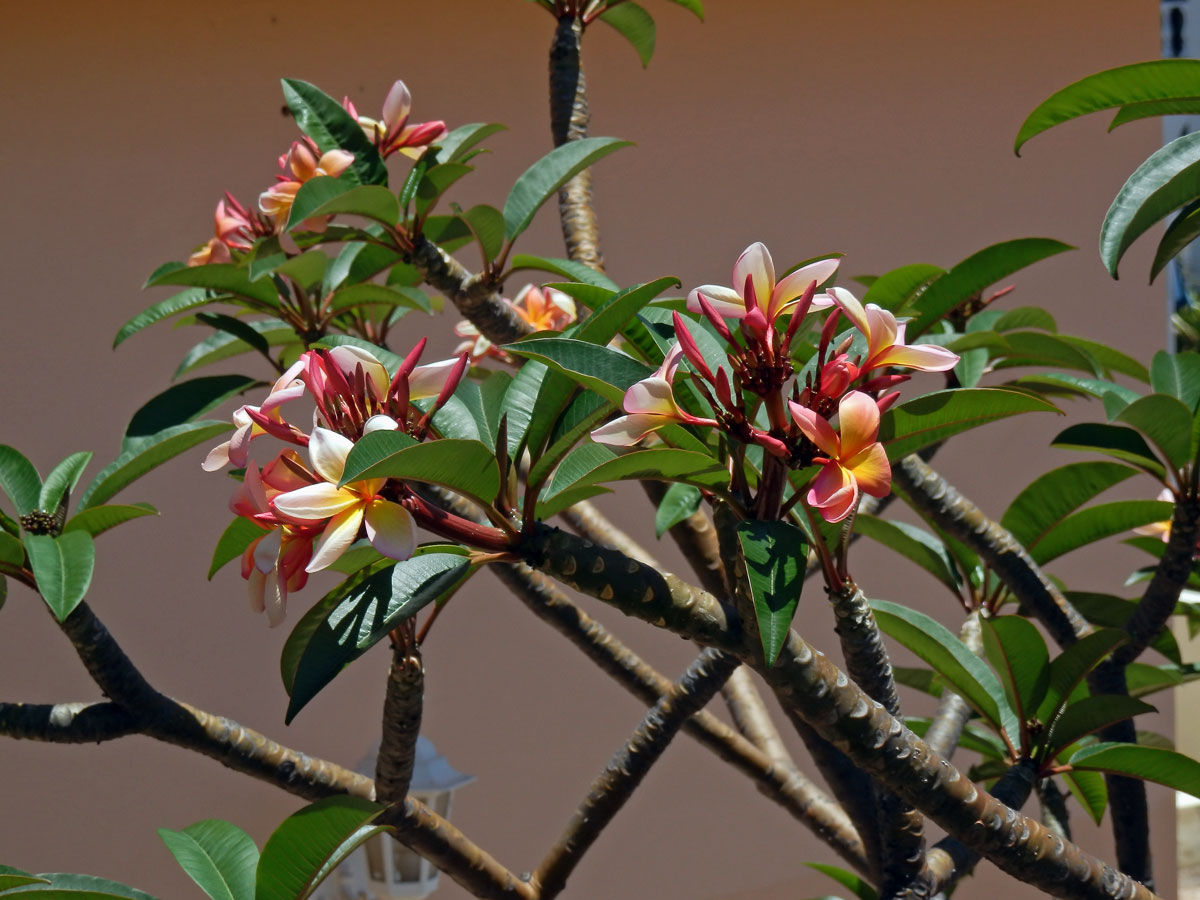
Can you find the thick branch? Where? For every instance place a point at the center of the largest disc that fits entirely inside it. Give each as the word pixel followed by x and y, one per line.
pixel 472 295
pixel 784 785
pixel 569 122
pixel 402 705
pixel 616 784
pixel 66 723
pixel 839 710
pixel 943 505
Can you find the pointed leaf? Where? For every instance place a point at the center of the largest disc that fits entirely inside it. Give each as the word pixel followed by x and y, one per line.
pixel 899 287
pixel 965 672
pixel 634 24
pixel 1177 374
pixel 1051 497
pixel 660 464
pixel 62 480
pixel 468 467
pixel 142 454
pixel 541 180
pixel 1166 421
pixel 226 278
pixel 1166 767
pixel 63 567
pixel 217 855
pixel 1088 716
pixel 1137 83
pixel 1116 441
pixel 463 138
pixel 607 372
pixel 853 883
pixel 608 320
pixel 1018 653
pixel 679 502
pixel 326 196
pixel 237 536
pixel 1090 789
pixel 1095 523
pixel 1068 669
pixel 776 555
pixel 922 421
pixel 185 401
pixel 99 519
pixel 487 224
pixel 11 878
pixel 566 268
pixel 222 345
pixel 68 886
pixel 310 843
pixel 914 543
pixel 325 121
pixel 181 302
pixel 696 7
pixel 19 480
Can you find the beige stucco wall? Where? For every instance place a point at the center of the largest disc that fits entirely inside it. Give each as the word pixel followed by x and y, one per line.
pixel 880 129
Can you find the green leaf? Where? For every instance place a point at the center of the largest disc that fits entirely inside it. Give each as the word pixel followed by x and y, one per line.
pixel 1122 86
pixel 634 24
pixel 344 624
pixel 11 878
pixel 1025 317
pixel 468 467
pixel 608 320
pixel 368 293
pixel 1116 441
pixel 62 480
pixel 390 360
pixel 311 843
pixel 306 269
pixel 325 121
pixel 679 502
pixel 237 328
pixel 1184 106
pixel 99 519
pixel 325 196
pixel 1109 611
pixel 520 399
pixel 607 372
pixel 1029 348
pixel 1018 653
pixel 971 365
pixel 582 414
pixel 181 302
pixel 899 287
pixel 853 883
pixel 185 401
pixel 1088 716
pixel 1166 767
pixel 914 543
pixel 541 180
pixel 696 7
pixel 436 181
pixel 142 454
pixel 1095 523
pixel 1050 498
pixel 1063 382
pixel 12 551
pixel 660 464
pixel 19 480
pixel 221 345
pixel 1167 180
pixel 1177 374
pixel 63 568
pixel 1166 421
pixel 977 272
pixel 922 421
pixel 487 224
pixel 217 855
pixel 776 555
pixel 237 536
pixel 227 278
pixel 1109 357
pixel 1181 231
pixel 565 268
pixel 463 138
pixel 1068 669
pixel 965 672
pixel 67 886
pixel 1090 790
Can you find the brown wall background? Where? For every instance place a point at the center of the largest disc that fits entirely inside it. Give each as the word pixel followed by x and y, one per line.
pixel 883 130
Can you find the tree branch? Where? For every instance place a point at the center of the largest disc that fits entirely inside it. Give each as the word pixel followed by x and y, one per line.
pixel 839 710
pixel 616 784
pixel 402 706
pixel 66 723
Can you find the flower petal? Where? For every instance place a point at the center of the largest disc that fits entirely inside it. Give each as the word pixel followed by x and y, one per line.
pixel 274 598
pixel 755 264
pixel 853 309
pixel 628 430
pixel 727 303
pixel 339 534
pixel 922 357
pixel 380 423
pixel 428 380
pixel 834 493
pixel 792 286
pixel 858 423
pixel 327 451
pixel 872 471
pixel 316 502
pixel 391 529
pixel 397 105
pixel 816 429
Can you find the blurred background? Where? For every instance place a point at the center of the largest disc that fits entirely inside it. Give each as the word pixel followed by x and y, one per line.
pixel 878 129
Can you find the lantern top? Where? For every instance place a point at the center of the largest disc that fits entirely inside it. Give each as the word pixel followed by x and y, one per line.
pixel 431 770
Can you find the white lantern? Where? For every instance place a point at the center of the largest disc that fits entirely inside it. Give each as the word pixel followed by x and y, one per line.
pixel 383 868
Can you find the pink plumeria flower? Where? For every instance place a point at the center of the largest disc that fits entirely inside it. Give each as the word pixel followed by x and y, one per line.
pixel 305 165
pixel 755 288
pixel 855 460
pixel 885 338
pixel 651 405
pixel 389 526
pixel 236 450
pixel 393 134
pixel 545 309
pixel 234 229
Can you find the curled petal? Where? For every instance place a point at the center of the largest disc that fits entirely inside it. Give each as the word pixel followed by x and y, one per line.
pixel 327 451
pixel 628 430
pixel 871 470
pixel 858 423
pixel 728 303
pixel 834 493
pixel 339 534
pixel 266 551
pixel 391 529
pixel 274 598
pixel 789 290
pixel 653 396
pixel 816 429
pixel 334 163
pixel 218 458
pixel 316 502
pixel 922 357
pixel 882 329
pixel 397 105
pixel 380 423
pixel 428 380
pixel 754 268
pixel 349 357
pixel 854 311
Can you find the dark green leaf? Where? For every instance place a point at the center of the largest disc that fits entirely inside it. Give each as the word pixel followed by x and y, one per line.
pixel 237 536
pixel 217 855
pixel 227 278
pixel 1166 421
pixel 916 544
pixel 1184 106
pixel 238 328
pixel 1018 653
pixel 1109 357
pixel 11 878
pixel 1063 382
pixel 1122 86
pixel 977 272
pixel 1181 231
pixel 221 345
pixel 662 464
pixel 463 138
pixel 1166 767
pixel 19 480
pixel 1025 317
pixel 696 7
pixel 140 455
pixel 679 502
pixel 634 24
pixel 487 224
pixel 12 551
pixel 607 321
pixel 309 844
pixel 67 886
pixel 62 480
pixel 325 121
pixel 368 294
pixel 185 401
pixel 566 268
pixel 924 680
pixel 325 196
pixel 181 302
pixel 963 671
pixel 1090 790
pixel 853 883
pixel 1050 498
pixel 922 421
pixel 358 262
pixel 776 555
pixel 99 519
pixel 435 182
pixel 468 467
pixel 1095 523
pixel 1068 669
pixel 541 180
pixel 600 369
pixel 1109 611
pixel 63 568
pixel 1116 441
pixel 1177 374
pixel 896 289
pixel 1088 716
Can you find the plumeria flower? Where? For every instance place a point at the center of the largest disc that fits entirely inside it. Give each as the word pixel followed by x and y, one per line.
pixel 885 338
pixel 235 228
pixel 236 450
pixel 651 405
pixel 755 288
pixel 545 309
pixel 389 526
pixel 305 164
pixel 854 459
pixel 393 134
pixel 1158 529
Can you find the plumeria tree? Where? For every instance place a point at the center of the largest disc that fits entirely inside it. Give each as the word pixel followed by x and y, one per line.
pixel 770 422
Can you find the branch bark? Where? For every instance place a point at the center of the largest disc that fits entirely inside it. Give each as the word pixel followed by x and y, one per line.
pixel 66 723
pixel 402 705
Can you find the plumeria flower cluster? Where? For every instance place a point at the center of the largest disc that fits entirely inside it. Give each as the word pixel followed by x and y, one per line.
pixel 545 309
pixel 831 420
pixel 310 519
pixel 393 133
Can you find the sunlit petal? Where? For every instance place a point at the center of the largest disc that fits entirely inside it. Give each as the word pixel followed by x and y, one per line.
pixel 327 451
pixel 727 303
pixel 922 357
pixel 792 286
pixel 882 328
pixel 834 493
pixel 628 430
pixel 651 395
pixel 391 529
pixel 871 470
pixel 816 429
pixel 852 308
pixel 380 423
pixel 858 423
pixel 316 502
pixel 349 357
pixel 397 105
pixel 755 264
pixel 339 534
pixel 428 380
